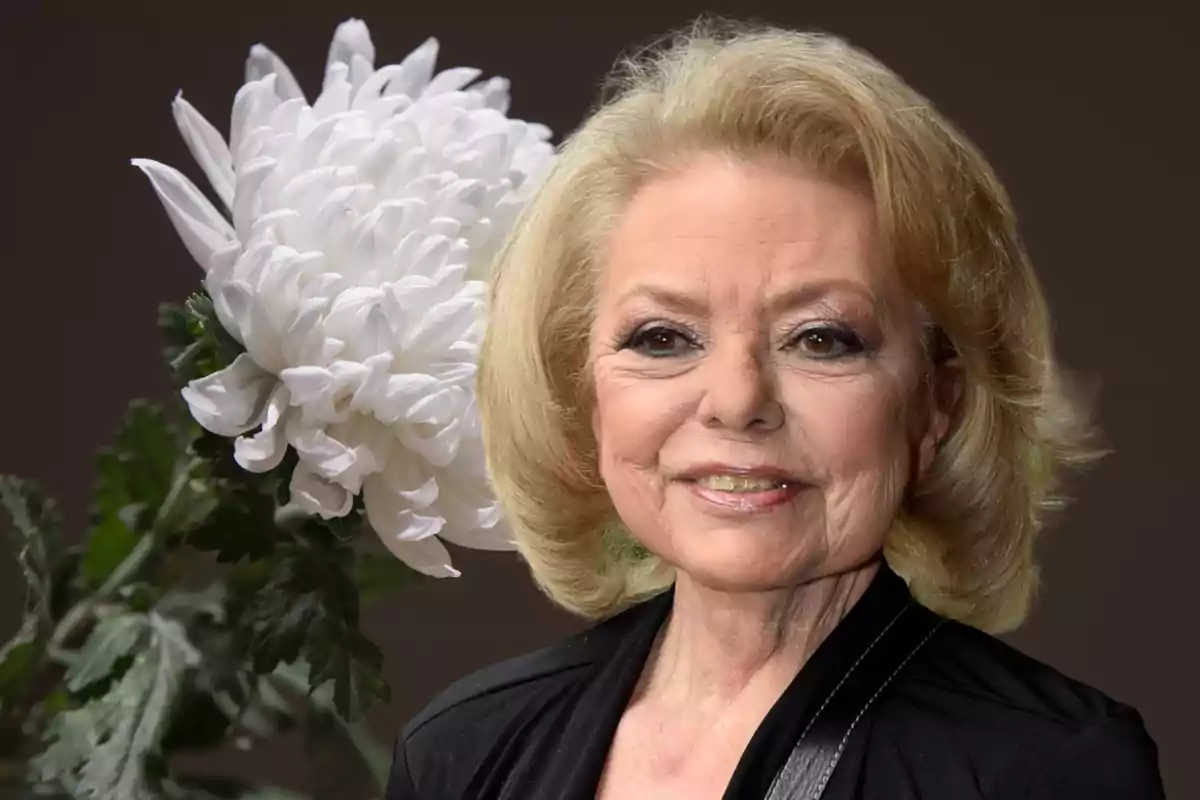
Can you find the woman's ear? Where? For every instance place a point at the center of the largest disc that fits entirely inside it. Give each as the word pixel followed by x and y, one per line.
pixel 944 391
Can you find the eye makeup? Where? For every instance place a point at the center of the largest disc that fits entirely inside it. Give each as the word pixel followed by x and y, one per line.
pixel 828 341
pixel 817 340
pixel 641 338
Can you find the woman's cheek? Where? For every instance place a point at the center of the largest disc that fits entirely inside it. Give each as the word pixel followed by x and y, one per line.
pixel 636 416
pixel 848 426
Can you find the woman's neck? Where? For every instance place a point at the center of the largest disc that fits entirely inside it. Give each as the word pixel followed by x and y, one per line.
pixel 717 646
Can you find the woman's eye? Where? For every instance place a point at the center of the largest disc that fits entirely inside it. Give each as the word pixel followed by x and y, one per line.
pixel 828 342
pixel 659 342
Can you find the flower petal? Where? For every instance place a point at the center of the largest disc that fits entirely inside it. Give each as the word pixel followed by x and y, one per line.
pixel 264 450
pixel 407 477
pixel 303 340
pixel 201 227
pixel 250 178
pixel 438 449
pixel 335 94
pixel 344 452
pixel 427 556
pixel 324 455
pixel 253 324
pixel 473 516
pixel 316 389
pixel 455 373
pixel 360 71
pixel 416 70
pixel 253 106
pixel 223 263
pixel 403 391
pixel 285 119
pixel 444 324
pixel 351 38
pixel 495 93
pixel 410 537
pixel 439 407
pixel 450 80
pixel 231 401
pixel 208 147
pixel 495 537
pixel 263 62
pixel 314 494
pixel 372 88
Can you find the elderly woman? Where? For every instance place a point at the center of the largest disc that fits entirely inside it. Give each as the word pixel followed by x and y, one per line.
pixel 768 389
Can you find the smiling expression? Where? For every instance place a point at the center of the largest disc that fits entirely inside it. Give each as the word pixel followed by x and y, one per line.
pixel 760 404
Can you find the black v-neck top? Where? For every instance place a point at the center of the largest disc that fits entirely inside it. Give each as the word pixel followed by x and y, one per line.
pixel 967 718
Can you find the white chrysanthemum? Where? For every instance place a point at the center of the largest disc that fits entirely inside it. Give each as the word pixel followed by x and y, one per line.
pixel 350 268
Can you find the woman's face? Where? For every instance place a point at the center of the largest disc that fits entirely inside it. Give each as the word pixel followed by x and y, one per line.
pixel 759 377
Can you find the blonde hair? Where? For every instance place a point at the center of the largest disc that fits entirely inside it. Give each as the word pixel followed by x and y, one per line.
pixel 964 538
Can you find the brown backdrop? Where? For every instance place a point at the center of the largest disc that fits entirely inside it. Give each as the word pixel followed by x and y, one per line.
pixel 1091 121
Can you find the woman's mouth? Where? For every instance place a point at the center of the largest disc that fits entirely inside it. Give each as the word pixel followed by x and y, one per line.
pixel 739 483
pixel 742 493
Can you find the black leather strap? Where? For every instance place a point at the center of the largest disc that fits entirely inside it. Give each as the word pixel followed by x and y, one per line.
pixel 808 769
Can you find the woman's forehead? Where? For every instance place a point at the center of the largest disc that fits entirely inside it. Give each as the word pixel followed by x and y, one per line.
pixel 723 230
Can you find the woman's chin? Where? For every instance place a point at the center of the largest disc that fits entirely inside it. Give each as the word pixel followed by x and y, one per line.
pixel 744 561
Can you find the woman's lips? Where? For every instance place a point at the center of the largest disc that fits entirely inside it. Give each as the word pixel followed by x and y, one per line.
pixel 744 502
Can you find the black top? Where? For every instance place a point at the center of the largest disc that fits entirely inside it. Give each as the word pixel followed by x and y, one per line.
pixel 967 717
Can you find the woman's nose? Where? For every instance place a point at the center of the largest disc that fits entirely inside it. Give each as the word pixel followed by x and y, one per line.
pixel 740 394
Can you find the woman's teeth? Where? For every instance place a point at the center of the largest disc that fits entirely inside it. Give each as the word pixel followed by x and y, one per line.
pixel 738 483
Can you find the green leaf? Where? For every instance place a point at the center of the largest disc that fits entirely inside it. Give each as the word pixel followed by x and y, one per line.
pixel 355 737
pixel 66 585
pixel 134 478
pixel 35 525
pixel 353 664
pixel 102 748
pixel 109 544
pixel 242 526
pixel 148 494
pixel 113 638
pixel 56 702
pixel 210 703
pixel 197 723
pixel 188 607
pixel 16 655
pixel 266 711
pixel 19 658
pixel 276 621
pixel 140 468
pixel 225 695
pixel 197 343
pixel 303 602
pixel 36 529
pixel 379 575
pixel 235 533
pixel 344 528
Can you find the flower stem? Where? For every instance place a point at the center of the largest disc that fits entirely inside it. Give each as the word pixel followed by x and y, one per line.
pixel 129 566
pixel 374 757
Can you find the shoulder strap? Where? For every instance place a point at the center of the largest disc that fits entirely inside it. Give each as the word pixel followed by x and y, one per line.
pixel 808 769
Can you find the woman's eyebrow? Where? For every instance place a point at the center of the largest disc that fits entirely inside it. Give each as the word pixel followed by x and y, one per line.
pixel 680 302
pixel 813 292
pixel 779 303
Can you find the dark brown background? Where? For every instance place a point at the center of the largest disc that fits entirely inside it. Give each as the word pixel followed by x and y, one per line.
pixel 1091 121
